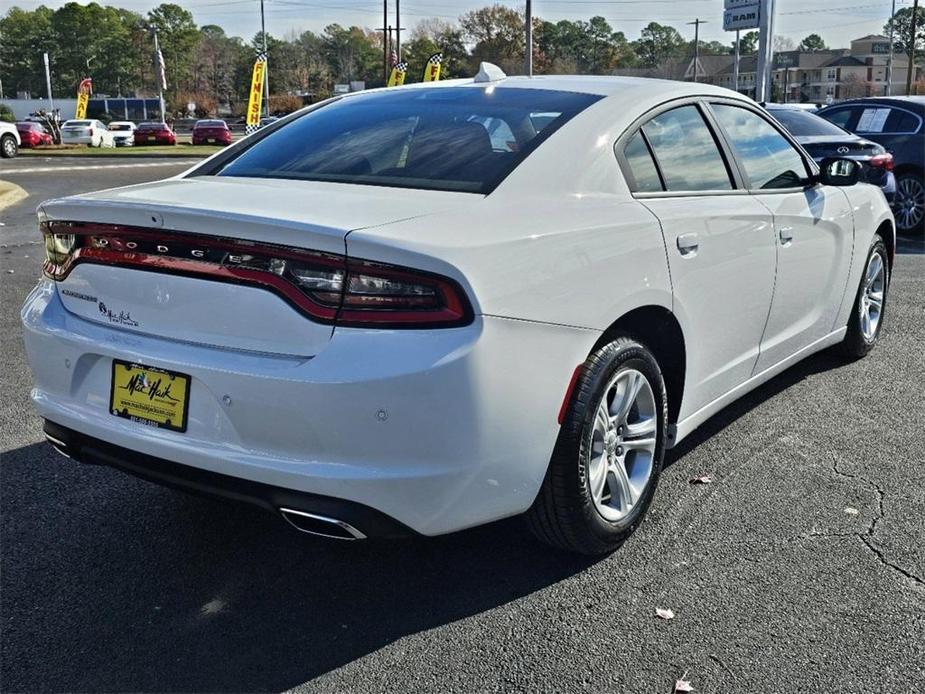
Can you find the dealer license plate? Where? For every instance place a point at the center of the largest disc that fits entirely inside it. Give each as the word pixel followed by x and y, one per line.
pixel 148 395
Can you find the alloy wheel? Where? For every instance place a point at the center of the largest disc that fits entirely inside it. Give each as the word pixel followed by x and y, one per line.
pixel 623 442
pixel 910 203
pixel 9 146
pixel 872 296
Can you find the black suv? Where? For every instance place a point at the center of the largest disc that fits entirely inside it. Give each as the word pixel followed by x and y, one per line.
pixel 897 123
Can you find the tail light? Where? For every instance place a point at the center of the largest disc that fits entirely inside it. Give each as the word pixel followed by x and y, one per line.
pixel 326 287
pixel 882 161
pixel 90 132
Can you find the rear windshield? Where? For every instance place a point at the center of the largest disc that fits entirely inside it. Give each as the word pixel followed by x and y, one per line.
pixel 79 122
pixel 152 126
pixel 210 124
pixel 449 138
pixel 120 126
pixel 803 124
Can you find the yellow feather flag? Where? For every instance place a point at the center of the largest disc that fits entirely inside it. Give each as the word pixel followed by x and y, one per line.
pixel 83 98
pixel 432 69
pixel 255 100
pixel 397 76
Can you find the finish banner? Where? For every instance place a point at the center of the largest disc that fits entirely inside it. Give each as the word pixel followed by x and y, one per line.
pixel 397 76
pixel 432 69
pixel 255 100
pixel 83 98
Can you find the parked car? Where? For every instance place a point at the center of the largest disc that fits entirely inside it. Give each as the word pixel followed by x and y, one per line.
pixel 90 132
pixel 823 139
pixel 9 140
pixel 897 124
pixel 33 134
pixel 211 132
pixel 374 322
pixel 154 134
pixel 268 120
pixel 123 133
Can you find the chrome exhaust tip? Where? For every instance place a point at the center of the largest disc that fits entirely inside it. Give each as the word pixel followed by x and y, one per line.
pixel 323 526
pixel 58 445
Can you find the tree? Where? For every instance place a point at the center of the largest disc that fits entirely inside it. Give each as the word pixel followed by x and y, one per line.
pixel 178 37
pixel 782 43
pixel 902 26
pixel 430 36
pixel 813 42
pixel 854 87
pixel 658 43
pixel 748 43
pixel 497 33
pixel 24 36
pixel 591 47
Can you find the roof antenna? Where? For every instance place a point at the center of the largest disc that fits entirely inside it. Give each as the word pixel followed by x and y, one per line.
pixel 489 72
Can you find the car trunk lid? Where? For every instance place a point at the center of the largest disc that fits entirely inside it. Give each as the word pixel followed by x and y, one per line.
pixel 190 275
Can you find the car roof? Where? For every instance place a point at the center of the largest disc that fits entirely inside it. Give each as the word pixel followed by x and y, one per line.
pixel 906 101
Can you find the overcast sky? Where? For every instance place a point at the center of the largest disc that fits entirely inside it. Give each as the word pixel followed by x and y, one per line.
pixel 837 21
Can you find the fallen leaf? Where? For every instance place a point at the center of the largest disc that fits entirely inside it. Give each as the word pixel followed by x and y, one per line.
pixel 701 479
pixel 851 511
pixel 664 613
pixel 682 685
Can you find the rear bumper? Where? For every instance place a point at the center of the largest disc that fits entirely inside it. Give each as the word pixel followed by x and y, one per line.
pixel 86 449
pixel 437 429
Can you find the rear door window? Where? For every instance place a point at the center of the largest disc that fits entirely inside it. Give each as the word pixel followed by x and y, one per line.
pixel 687 153
pixel 644 175
pixel 769 159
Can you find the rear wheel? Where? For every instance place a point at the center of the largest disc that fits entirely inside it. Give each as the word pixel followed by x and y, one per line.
pixel 608 457
pixel 909 203
pixel 870 303
pixel 8 147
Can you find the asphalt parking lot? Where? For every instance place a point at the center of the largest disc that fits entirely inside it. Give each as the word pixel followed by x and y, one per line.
pixel 800 568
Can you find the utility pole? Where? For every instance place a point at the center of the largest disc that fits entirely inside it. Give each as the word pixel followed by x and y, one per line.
pixel 765 50
pixel 160 81
pixel 735 64
pixel 51 101
pixel 385 42
pixel 889 62
pixel 397 31
pixel 697 22
pixel 528 35
pixel 912 36
pixel 266 66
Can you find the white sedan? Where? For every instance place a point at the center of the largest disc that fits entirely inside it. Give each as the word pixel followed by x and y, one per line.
pixel 123 133
pixel 380 319
pixel 90 132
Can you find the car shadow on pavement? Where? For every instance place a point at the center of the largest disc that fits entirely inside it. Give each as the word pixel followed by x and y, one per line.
pixel 827 360
pixel 112 584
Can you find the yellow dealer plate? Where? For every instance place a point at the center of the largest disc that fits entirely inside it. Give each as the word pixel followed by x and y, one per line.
pixel 144 394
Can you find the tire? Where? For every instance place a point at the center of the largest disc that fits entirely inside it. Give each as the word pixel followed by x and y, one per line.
pixel 862 334
pixel 8 147
pixel 909 202
pixel 567 513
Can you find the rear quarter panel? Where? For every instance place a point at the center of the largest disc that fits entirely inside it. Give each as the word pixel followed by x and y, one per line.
pixel 574 259
pixel 870 211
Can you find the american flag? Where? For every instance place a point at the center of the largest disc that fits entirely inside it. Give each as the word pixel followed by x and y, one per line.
pixel 161 69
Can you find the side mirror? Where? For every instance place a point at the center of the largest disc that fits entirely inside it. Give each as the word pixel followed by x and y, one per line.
pixel 839 172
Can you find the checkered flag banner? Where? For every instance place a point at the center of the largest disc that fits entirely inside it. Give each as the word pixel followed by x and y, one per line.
pixel 255 100
pixel 397 75
pixel 432 69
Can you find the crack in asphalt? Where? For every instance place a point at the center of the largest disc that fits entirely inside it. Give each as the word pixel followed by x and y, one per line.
pixel 866 537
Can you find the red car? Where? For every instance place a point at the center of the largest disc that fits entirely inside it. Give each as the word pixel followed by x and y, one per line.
pixel 154 134
pixel 211 132
pixel 33 134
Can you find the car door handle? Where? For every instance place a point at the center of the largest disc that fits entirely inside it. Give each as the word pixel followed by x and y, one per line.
pixel 786 235
pixel 688 245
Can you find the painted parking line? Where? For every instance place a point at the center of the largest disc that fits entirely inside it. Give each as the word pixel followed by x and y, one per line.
pixel 85 167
